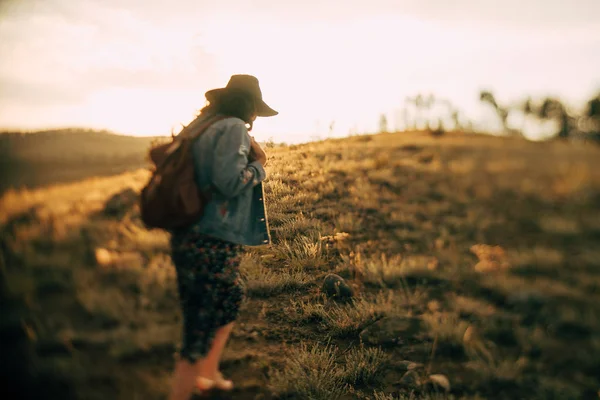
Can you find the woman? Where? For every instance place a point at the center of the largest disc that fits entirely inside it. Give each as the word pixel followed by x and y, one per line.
pixel 229 167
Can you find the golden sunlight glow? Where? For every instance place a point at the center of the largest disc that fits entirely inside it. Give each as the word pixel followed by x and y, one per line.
pixel 144 71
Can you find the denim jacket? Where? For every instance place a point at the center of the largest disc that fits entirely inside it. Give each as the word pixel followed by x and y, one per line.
pixel 236 211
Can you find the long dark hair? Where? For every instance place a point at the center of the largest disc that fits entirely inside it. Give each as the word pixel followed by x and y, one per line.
pixel 232 103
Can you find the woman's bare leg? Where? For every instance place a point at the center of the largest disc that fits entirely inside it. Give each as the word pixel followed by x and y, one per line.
pixel 209 366
pixel 184 380
pixel 187 375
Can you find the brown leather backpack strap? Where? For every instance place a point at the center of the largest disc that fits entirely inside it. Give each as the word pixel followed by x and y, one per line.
pixel 205 125
pixel 186 142
pixel 206 191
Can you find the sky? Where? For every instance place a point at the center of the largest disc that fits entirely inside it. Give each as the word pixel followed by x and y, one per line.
pixel 141 67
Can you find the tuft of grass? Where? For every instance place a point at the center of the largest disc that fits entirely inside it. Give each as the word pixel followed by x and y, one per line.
pixel 505 371
pixel 446 327
pixel 382 396
pixel 384 272
pixel 421 396
pixel 276 188
pixel 263 282
pixel 348 222
pixel 309 373
pixel 347 320
pixel 363 365
pixel 300 311
pixel 302 252
pixel 456 337
pixel 296 226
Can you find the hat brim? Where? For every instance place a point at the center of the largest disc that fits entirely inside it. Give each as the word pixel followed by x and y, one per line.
pixel 262 108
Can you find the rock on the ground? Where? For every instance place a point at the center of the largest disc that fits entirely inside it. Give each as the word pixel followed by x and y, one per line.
pixel 334 286
pixel 440 380
pixel 407 365
pixel 391 331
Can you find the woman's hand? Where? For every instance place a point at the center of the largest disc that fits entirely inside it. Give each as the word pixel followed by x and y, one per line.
pixel 257 153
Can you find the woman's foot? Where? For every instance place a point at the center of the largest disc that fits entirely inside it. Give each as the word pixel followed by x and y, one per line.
pixel 206 384
pixel 222 383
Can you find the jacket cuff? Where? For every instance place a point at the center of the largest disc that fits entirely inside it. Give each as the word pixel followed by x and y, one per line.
pixel 260 170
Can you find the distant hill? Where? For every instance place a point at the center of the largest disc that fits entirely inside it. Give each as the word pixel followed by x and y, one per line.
pixel 53 156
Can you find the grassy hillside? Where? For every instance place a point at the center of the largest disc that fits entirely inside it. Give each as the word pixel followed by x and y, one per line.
pixel 57 156
pixel 474 263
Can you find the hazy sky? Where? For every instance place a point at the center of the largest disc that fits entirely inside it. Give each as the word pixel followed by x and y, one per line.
pixel 142 66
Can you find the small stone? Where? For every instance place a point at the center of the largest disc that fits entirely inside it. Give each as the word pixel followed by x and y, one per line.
pixel 103 256
pixel 441 381
pixel 334 286
pixel 406 365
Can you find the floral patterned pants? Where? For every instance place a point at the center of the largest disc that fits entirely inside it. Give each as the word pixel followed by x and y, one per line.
pixel 209 287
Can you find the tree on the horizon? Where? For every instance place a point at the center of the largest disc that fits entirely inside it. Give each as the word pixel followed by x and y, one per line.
pixel 554 109
pixel 527 109
pixel 593 114
pixel 488 97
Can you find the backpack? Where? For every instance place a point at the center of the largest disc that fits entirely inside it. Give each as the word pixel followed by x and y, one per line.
pixel 172 199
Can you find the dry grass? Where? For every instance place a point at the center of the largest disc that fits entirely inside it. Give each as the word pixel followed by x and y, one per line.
pixel 309 373
pixel 303 252
pixel 319 372
pixel 413 207
pixel 263 282
pixel 347 320
pixel 363 365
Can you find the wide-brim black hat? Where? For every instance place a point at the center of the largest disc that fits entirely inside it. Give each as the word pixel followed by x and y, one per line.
pixel 248 84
